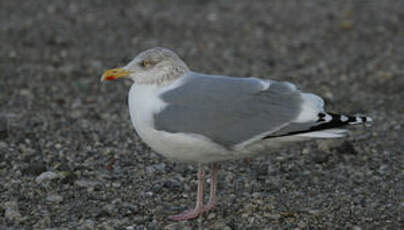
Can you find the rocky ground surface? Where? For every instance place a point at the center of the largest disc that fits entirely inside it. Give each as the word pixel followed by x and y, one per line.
pixel 70 159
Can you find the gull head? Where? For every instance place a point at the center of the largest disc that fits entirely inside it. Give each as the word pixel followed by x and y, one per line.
pixel 153 66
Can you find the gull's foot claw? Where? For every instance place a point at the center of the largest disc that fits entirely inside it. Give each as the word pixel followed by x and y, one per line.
pixel 187 215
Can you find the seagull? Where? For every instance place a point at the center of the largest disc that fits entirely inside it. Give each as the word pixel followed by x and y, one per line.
pixel 200 118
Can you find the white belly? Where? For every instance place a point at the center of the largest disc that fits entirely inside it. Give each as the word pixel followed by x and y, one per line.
pixel 143 103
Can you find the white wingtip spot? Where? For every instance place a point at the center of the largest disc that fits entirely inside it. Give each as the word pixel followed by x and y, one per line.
pixel 358 120
pixel 344 118
pixel 368 122
pixel 327 117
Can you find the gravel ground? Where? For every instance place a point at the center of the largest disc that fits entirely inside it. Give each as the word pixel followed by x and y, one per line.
pixel 70 159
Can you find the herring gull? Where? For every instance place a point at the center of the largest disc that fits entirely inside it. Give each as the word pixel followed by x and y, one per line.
pixel 200 118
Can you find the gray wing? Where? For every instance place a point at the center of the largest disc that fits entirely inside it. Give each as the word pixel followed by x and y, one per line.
pixel 228 110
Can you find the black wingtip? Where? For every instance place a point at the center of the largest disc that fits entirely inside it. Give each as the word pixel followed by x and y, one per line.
pixel 339 120
pixel 330 121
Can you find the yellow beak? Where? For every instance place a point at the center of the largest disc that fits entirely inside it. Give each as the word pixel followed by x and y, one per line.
pixel 113 74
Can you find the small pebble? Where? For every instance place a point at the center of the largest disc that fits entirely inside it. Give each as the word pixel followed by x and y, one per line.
pixel 178 226
pixel 11 211
pixel 86 183
pixel 46 177
pixel 87 225
pixel 54 198
pixel 116 184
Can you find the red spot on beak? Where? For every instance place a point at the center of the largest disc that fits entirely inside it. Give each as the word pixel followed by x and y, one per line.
pixel 110 78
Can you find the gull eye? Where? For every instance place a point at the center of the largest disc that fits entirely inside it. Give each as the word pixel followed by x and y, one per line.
pixel 146 63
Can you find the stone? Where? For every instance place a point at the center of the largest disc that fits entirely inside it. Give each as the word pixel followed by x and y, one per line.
pixel 11 211
pixel 87 225
pixel 178 226
pixel 54 198
pixel 46 177
pixel 86 183
pixel 3 128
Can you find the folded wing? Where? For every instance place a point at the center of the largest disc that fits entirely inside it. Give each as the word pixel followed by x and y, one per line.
pixel 229 110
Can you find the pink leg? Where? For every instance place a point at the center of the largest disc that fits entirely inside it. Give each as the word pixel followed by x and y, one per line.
pixel 212 197
pixel 193 213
